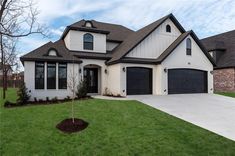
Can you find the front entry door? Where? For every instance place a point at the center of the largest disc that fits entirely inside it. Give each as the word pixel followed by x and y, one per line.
pixel 91 78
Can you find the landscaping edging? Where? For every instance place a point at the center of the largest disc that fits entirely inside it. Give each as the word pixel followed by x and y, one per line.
pixel 35 103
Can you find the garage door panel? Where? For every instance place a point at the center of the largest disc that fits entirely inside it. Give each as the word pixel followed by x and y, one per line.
pixel 139 80
pixel 186 81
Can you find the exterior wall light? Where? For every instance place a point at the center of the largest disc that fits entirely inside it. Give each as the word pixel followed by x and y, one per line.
pixel 124 69
pixel 80 70
pixel 211 72
pixel 165 70
pixel 105 71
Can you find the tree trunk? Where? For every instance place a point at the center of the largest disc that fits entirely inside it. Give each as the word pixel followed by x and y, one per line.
pixel 3 71
pixel 73 108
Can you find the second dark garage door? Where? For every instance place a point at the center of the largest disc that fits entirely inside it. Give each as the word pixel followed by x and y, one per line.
pixel 182 81
pixel 139 80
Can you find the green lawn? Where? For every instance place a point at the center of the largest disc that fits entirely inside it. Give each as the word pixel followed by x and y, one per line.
pixel 230 94
pixel 115 128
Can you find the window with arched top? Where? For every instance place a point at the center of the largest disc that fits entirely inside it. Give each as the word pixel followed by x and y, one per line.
pixel 168 28
pixel 88 24
pixel 88 41
pixel 188 47
pixel 52 52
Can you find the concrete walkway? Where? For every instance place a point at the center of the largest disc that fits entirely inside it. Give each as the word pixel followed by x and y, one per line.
pixel 215 113
pixel 109 97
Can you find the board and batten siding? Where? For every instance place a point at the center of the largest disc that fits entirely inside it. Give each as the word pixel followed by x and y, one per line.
pixel 157 42
pixel 74 41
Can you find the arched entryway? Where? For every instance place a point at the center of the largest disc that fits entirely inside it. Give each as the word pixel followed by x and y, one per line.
pixel 92 76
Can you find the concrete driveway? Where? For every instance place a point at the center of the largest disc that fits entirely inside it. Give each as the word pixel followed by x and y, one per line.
pixel 215 113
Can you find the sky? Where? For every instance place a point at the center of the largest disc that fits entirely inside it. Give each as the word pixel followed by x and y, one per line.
pixel 204 17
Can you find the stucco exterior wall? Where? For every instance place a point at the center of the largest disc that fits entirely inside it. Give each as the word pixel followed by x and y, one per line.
pixel 102 76
pixel 179 59
pixel 74 41
pixel 114 80
pixel 157 42
pixel 29 79
pixel 117 78
pixel 224 80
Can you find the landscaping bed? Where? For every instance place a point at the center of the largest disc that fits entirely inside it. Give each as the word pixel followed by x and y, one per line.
pixel 9 104
pixel 72 125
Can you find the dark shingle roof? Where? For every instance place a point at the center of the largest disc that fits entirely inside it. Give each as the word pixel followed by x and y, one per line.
pixel 224 42
pixel 114 32
pixel 41 53
pixel 135 38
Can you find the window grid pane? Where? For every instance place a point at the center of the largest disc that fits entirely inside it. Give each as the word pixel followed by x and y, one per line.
pixel 62 74
pixel 39 75
pixel 51 76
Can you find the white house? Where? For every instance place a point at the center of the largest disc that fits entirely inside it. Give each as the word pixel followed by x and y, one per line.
pixel 161 58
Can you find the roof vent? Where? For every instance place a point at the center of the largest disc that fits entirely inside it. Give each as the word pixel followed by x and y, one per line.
pixel 88 24
pixel 52 52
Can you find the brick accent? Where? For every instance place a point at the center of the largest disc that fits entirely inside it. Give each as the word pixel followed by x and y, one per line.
pixel 224 80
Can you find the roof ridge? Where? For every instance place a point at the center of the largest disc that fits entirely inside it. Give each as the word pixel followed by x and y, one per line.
pixel 227 32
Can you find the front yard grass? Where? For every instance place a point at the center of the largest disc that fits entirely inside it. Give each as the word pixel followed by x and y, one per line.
pixel 230 94
pixel 115 128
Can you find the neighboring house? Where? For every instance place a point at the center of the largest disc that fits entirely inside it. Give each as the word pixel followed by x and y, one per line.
pixel 222 49
pixel 161 58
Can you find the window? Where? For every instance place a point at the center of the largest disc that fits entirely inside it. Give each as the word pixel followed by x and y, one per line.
pixel 188 47
pixel 39 75
pixel 168 28
pixel 88 42
pixel 88 24
pixel 51 76
pixel 62 74
pixel 52 53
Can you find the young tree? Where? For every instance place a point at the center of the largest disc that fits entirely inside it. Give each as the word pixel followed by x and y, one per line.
pixel 18 18
pixel 72 85
pixel 10 57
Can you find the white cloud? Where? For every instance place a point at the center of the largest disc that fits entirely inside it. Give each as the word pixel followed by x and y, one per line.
pixel 205 17
pixel 58 31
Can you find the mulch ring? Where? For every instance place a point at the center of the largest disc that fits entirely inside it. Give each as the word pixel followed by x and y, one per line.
pixel 68 126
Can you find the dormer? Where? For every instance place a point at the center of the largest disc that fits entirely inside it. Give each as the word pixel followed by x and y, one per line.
pixel 88 24
pixel 86 38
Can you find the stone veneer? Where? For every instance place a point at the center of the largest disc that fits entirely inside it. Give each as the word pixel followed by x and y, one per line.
pixel 224 80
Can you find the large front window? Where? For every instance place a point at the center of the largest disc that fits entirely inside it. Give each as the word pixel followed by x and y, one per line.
pixel 39 75
pixel 62 73
pixel 51 75
pixel 88 42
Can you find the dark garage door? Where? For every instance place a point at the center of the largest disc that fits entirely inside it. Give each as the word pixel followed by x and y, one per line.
pixel 182 81
pixel 139 80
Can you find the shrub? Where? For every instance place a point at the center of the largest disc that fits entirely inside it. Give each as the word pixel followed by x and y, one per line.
pixel 55 99
pixel 67 98
pixel 8 104
pixel 35 99
pixel 47 99
pixel 23 95
pixel 81 89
